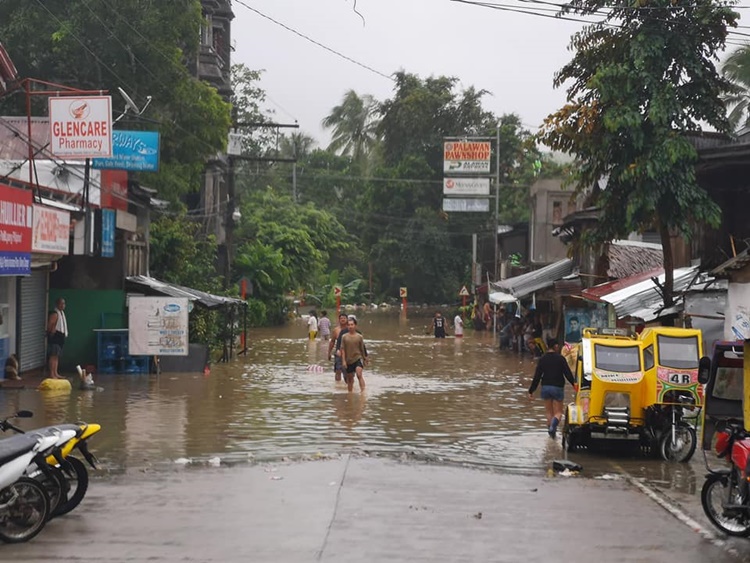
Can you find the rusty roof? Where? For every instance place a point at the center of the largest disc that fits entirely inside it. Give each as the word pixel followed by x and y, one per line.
pixel 630 258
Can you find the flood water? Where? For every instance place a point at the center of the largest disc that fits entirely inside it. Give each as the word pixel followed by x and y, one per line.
pixel 452 400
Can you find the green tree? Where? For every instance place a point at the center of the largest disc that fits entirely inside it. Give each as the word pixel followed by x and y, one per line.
pixel 641 78
pixel 355 125
pixel 737 70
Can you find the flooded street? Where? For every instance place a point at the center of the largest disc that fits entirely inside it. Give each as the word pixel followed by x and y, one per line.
pixel 455 400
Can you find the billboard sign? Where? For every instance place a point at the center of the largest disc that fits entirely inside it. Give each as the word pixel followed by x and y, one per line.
pixel 467 157
pixel 477 205
pixel 158 326
pixel 132 150
pixel 80 127
pixel 51 233
pixel 16 221
pixel 466 186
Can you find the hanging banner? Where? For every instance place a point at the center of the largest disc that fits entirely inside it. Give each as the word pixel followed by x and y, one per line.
pixel 466 186
pixel 16 221
pixel 108 233
pixel 467 157
pixel 51 232
pixel 158 326
pixel 80 127
pixel 132 150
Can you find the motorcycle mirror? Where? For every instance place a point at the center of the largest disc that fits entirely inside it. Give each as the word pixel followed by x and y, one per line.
pixel 704 370
pixel 24 414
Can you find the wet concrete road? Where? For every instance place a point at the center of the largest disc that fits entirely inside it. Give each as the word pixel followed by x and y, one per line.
pixel 364 509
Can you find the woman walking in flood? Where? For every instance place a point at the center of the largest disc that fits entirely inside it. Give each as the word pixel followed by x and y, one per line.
pixel 551 371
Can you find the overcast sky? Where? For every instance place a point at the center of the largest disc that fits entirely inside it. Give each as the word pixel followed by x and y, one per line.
pixel 512 55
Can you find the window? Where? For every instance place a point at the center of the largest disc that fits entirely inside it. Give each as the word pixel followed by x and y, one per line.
pixel 648 358
pixel 207 31
pixel 557 213
pixel 622 359
pixel 678 352
pixel 728 384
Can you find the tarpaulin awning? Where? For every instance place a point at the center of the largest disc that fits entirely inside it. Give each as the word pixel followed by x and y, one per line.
pixel 528 283
pixel 638 296
pixel 153 286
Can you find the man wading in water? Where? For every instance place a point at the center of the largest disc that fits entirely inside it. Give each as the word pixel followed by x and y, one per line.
pixel 552 370
pixel 353 356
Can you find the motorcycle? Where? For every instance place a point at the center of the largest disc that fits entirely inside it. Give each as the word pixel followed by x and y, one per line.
pixel 74 472
pixel 725 496
pixel 725 493
pixel 24 502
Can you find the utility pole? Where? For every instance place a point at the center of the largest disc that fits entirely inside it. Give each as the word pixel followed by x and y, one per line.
pixel 497 199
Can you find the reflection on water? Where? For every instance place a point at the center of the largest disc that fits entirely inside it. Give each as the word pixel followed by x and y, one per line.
pixel 452 399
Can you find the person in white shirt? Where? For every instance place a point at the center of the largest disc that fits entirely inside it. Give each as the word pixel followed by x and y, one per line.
pixel 57 332
pixel 458 326
pixel 312 325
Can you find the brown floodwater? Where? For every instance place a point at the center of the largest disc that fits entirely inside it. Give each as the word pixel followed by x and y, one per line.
pixel 451 400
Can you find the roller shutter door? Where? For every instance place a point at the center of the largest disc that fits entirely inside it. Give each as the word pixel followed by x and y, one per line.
pixel 33 318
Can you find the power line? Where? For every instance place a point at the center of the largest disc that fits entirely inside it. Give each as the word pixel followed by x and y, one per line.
pixel 314 42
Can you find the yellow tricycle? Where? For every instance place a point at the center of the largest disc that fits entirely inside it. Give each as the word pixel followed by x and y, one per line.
pixel 672 392
pixel 609 403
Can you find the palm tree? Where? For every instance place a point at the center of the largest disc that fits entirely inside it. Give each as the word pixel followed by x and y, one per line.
pixel 737 70
pixel 297 145
pixel 354 123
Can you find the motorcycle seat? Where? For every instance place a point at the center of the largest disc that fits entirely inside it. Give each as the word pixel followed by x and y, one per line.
pixel 16 446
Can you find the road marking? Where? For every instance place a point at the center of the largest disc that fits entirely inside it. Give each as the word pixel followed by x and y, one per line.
pixel 679 514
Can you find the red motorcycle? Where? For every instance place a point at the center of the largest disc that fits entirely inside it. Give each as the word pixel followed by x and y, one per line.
pixel 725 497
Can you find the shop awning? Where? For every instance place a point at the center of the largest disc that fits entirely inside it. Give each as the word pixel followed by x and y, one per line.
pixel 638 296
pixel 152 286
pixel 526 284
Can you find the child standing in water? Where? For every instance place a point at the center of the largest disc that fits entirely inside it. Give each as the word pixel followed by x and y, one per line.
pixel 353 355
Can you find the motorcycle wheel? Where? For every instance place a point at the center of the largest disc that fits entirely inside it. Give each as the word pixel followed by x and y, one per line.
pixel 714 495
pixel 25 516
pixel 683 447
pixel 78 481
pixel 54 482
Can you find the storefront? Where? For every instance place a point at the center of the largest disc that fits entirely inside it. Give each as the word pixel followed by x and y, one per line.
pixel 15 261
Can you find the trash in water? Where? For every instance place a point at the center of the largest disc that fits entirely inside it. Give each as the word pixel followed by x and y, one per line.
pixel 182 461
pixel 276 477
pixel 608 477
pixel 563 464
pixel 215 461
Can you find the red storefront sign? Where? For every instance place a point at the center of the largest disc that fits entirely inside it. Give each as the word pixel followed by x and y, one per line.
pixel 15 219
pixel 51 234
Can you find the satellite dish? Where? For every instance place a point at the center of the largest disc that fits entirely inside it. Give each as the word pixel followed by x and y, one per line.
pixel 129 103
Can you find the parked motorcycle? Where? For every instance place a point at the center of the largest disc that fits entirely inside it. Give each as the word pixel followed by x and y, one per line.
pixel 724 496
pixel 24 502
pixel 69 468
pixel 672 436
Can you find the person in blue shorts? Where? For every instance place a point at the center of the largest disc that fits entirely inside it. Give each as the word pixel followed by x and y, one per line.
pixel 551 371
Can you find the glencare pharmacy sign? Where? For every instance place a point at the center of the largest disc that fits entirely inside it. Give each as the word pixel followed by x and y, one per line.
pixel 81 127
pixel 15 231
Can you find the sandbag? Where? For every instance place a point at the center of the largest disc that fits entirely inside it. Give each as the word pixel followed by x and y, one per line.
pixel 50 384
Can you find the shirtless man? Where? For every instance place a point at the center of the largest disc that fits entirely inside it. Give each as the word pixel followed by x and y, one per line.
pixel 337 368
pixel 353 356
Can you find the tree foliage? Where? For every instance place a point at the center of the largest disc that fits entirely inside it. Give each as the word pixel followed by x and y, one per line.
pixel 640 79
pixel 146 50
pixel 737 70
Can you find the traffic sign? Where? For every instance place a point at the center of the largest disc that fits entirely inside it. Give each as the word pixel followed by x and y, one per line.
pixel 402 292
pixel 337 291
pixel 464 292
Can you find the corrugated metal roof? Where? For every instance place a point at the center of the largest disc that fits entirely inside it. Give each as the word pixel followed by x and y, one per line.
pixel 207 300
pixel 528 283
pixel 634 297
pixel 736 263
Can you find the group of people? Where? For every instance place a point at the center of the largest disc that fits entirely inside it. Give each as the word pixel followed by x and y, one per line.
pixel 347 346
pixel 439 325
pixel 317 326
pixel 521 334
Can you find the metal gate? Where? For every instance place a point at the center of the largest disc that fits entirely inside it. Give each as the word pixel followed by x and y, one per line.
pixel 33 319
